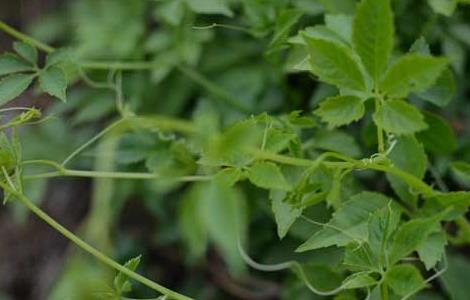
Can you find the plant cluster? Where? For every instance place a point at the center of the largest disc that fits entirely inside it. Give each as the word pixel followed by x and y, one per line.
pixel 381 214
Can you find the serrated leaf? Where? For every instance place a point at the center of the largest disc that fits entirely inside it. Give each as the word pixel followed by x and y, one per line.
pixel 10 63
pixel 286 19
pixel 373 34
pixel 285 213
pixel 13 85
pixel 406 147
pixel 359 280
pixel 333 63
pixel 411 235
pixel 121 281
pixel 53 81
pixel 268 175
pixel 340 110
pixel 432 250
pixel 26 51
pixel 399 117
pixel 404 280
pixel 438 138
pixel 412 73
pixel 442 91
pixel 348 224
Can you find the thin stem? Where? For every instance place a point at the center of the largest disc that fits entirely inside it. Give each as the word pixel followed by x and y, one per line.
pixel 94 252
pixel 25 38
pixel 380 136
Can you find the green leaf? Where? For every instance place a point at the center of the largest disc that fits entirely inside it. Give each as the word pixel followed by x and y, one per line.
pixel 286 19
pixel 442 91
pixel 411 235
pixel 337 141
pixel 121 281
pixel 341 24
pixel 334 64
pixel 348 224
pixel 13 85
pixel 399 117
pixel 443 7
pixel 373 34
pixel 267 175
pixel 359 280
pixel 10 63
pixel 454 203
pixel 412 73
pixel 340 110
pixel 406 147
pixel 462 170
pixel 222 210
pixel 455 279
pixel 210 7
pixel 285 213
pixel 26 51
pixel 431 251
pixel 404 280
pixel 53 82
pixel 192 227
pixel 438 138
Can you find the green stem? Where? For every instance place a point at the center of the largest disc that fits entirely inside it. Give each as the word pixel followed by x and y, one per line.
pixel 380 136
pixel 94 252
pixel 25 38
pixel 384 291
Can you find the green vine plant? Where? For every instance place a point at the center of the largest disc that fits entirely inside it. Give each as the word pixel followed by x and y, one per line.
pixel 394 246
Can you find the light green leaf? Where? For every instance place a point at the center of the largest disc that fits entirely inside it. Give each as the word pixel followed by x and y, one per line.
pixel 337 141
pixel 442 91
pixel 210 7
pixel 121 281
pixel 222 211
pixel 443 7
pixel 431 251
pixel 286 19
pixel 333 63
pixel 341 24
pixel 348 224
pixel 406 147
pixel 399 117
pixel 10 63
pixel 54 82
pixel 373 34
pixel 404 280
pixel 411 235
pixel 26 51
pixel 285 213
pixel 267 175
pixel 13 85
pixel 439 138
pixel 340 110
pixel 359 280
pixel 412 73
pixel 462 170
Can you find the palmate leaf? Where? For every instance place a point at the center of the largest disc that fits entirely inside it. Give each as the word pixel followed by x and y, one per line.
pixel 373 34
pixel 399 117
pixel 412 73
pixel 340 110
pixel 349 222
pixel 333 63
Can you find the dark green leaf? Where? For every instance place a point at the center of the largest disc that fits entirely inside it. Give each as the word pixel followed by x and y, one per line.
pixel 26 51
pixel 438 138
pixel 54 82
pixel 10 63
pixel 442 91
pixel 13 85
pixel 404 280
